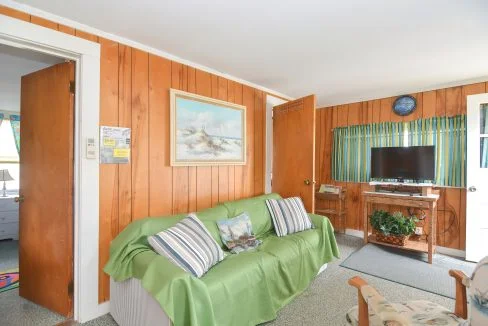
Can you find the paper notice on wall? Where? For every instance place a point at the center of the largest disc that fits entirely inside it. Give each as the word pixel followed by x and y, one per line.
pixel 114 145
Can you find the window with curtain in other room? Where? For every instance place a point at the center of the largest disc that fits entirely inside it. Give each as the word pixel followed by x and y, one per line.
pixel 9 157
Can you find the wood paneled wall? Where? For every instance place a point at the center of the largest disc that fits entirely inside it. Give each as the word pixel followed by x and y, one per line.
pixel 451 226
pixel 134 93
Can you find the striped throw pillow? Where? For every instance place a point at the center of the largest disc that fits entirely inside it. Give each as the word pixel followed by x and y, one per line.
pixel 189 245
pixel 288 215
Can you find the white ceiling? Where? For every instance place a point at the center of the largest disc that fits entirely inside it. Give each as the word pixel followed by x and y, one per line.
pixel 15 63
pixel 343 51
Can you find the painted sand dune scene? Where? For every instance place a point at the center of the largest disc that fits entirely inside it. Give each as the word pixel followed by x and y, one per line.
pixel 208 132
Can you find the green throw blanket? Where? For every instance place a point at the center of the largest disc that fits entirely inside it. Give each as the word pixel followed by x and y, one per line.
pixel 244 289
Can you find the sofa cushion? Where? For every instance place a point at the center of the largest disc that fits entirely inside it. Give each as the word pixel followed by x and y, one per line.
pixel 189 245
pixel 257 210
pixel 209 217
pixel 289 215
pixel 237 234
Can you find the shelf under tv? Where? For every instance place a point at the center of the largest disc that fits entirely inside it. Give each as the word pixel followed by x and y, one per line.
pixel 412 189
pixel 406 184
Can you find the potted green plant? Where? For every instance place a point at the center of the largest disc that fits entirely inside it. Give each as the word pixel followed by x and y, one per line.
pixel 392 228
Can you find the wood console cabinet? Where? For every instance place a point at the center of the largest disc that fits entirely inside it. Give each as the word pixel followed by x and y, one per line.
pixel 426 203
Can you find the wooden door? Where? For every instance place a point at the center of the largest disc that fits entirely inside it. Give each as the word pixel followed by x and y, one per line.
pixel 46 188
pixel 477 177
pixel 294 150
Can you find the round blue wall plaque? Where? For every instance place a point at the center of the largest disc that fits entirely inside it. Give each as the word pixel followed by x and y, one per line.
pixel 404 105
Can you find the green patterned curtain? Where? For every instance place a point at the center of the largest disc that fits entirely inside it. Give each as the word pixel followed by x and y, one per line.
pixel 15 123
pixel 352 147
pixel 1 118
pixel 448 134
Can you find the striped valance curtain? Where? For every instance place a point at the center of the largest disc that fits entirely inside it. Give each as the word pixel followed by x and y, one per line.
pixel 352 147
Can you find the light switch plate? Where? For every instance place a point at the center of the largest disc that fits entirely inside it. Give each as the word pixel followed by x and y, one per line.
pixel 91 148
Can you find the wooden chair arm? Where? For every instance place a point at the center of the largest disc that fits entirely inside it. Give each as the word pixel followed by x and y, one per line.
pixel 357 282
pixel 461 308
pixel 363 315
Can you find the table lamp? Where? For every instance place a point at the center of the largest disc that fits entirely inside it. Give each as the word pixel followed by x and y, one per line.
pixel 5 176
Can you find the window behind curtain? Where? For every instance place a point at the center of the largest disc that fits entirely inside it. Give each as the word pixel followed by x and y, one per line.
pixel 352 147
pixel 9 157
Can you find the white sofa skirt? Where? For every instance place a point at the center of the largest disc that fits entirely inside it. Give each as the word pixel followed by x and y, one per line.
pixel 131 304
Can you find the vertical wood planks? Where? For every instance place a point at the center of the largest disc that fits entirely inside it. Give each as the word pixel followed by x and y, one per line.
pixel 259 139
pixel 160 171
pixel 239 169
pixel 223 193
pixel 470 89
pixel 180 173
pixel 125 120
pixel 109 181
pixel 248 170
pixel 204 173
pixel 140 134
pixel 429 104
pixel 192 170
pixel 215 169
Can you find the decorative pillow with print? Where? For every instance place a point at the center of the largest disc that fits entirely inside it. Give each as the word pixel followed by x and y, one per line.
pixel 189 245
pixel 237 235
pixel 288 215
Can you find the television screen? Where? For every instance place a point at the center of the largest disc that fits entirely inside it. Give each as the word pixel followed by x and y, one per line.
pixel 411 163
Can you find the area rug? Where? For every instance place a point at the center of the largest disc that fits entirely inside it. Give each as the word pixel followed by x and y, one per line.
pixel 408 268
pixel 9 280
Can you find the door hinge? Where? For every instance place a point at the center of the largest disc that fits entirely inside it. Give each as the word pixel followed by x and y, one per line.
pixel 71 288
pixel 72 87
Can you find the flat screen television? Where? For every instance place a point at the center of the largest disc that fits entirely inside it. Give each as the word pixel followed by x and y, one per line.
pixel 403 163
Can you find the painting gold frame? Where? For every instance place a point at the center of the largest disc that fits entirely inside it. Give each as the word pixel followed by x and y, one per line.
pixel 174 95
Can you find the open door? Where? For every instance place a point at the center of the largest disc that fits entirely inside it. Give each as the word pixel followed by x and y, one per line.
pixel 294 150
pixel 477 178
pixel 46 188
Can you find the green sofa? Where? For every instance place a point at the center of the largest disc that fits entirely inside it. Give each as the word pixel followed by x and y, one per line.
pixel 244 289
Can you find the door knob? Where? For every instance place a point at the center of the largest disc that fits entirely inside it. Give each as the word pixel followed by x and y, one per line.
pixel 472 189
pixel 307 182
pixel 19 199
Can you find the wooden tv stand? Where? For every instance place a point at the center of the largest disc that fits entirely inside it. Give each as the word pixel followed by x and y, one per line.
pixel 426 202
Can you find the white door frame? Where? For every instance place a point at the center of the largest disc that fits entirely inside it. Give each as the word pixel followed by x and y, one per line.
pixel 476 201
pixel 86 54
pixel 271 101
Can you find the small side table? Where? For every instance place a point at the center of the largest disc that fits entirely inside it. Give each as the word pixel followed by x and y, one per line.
pixel 340 212
pixel 427 202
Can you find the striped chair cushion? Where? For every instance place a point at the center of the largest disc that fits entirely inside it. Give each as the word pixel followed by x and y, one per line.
pixel 288 215
pixel 189 245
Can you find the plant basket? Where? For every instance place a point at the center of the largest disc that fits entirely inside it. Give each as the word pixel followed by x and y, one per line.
pixel 398 240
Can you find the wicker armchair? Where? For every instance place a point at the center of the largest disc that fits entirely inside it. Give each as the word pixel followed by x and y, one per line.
pixel 374 310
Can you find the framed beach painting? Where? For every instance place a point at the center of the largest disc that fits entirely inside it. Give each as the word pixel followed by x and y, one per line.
pixel 205 131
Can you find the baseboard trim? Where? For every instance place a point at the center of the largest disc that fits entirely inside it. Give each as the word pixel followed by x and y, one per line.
pixel 451 252
pixel 355 233
pixel 441 250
